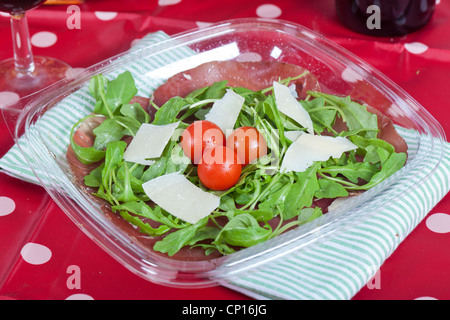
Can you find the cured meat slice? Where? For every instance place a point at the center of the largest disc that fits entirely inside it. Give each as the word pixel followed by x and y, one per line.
pixel 251 75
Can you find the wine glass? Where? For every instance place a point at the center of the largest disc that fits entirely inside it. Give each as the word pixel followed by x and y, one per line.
pixel 25 74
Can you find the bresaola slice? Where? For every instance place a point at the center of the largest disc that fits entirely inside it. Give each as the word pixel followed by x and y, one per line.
pixel 251 75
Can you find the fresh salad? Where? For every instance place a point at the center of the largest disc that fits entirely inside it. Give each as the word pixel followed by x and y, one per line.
pixel 225 168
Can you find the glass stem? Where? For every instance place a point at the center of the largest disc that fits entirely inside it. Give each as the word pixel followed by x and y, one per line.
pixel 23 55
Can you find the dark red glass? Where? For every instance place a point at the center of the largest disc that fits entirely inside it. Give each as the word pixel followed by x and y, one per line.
pixel 385 18
pixel 13 6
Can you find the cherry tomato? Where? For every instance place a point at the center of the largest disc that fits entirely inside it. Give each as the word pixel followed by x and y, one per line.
pixel 198 136
pixel 219 168
pixel 248 143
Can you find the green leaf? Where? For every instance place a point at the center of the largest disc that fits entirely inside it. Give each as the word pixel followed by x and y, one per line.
pixel 114 129
pixel 302 192
pixel 108 131
pixel 142 209
pixel 94 178
pixel 174 241
pixel 323 117
pixel 375 150
pixel 309 214
pixel 205 233
pixel 169 111
pixel 97 87
pixel 353 171
pixel 123 189
pixel 393 164
pixel 86 155
pixel 243 231
pixel 330 189
pixel 113 157
pixel 144 227
pixel 357 116
pixel 120 90
pixel 135 111
pixel 216 91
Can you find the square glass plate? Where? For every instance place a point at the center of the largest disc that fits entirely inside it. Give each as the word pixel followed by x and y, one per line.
pixel 42 135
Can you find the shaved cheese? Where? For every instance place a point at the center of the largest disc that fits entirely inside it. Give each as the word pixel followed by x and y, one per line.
pixel 289 106
pixel 293 135
pixel 149 142
pixel 308 148
pixel 177 195
pixel 225 111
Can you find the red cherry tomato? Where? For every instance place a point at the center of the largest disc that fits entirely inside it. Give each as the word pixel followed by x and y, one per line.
pixel 248 143
pixel 198 136
pixel 219 168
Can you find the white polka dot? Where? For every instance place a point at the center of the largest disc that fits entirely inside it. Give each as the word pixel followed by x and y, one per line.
pixel 425 298
pixel 79 296
pixel 268 11
pixel 202 24
pixel 168 2
pixel 134 42
pixel 351 75
pixel 416 47
pixel 439 223
pixel 7 206
pixel 438 1
pixel 249 57
pixel 8 98
pixel 105 15
pixel 309 34
pixel 72 72
pixel 4 14
pixel 34 253
pixel 44 39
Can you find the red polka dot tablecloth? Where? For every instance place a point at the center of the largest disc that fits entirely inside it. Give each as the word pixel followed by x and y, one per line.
pixel 43 255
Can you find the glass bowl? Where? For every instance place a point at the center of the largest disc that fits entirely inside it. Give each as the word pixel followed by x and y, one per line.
pixel 42 134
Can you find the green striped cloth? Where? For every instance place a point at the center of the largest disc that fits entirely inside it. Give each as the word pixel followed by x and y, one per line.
pixel 333 267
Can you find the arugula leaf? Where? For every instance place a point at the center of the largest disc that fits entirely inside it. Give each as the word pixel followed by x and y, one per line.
pixel 309 214
pixel 375 150
pixel 120 91
pixel 123 189
pixel 330 189
pixel 302 192
pixel 94 178
pixel 205 233
pixel 394 163
pixel 97 87
pixel 86 155
pixel 169 111
pixel 215 91
pixel 244 231
pixel 356 115
pixel 135 111
pixel 110 95
pixel 353 171
pixel 141 208
pixel 144 227
pixel 323 117
pixel 174 241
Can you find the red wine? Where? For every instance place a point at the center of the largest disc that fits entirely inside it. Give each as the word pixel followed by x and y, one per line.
pixel 385 18
pixel 17 6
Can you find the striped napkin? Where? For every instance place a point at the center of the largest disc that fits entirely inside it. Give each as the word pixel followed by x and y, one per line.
pixel 333 269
